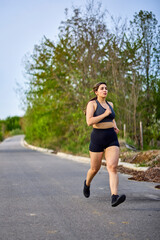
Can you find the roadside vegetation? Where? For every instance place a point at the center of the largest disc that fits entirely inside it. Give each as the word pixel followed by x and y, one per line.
pixel 60 75
pixel 10 126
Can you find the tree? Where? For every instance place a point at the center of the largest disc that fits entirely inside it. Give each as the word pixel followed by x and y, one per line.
pixel 61 75
pixel 144 26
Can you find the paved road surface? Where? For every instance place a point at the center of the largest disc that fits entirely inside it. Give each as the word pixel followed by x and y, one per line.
pixel 41 199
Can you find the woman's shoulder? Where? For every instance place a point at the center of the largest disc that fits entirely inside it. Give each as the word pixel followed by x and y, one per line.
pixel 110 103
pixel 92 104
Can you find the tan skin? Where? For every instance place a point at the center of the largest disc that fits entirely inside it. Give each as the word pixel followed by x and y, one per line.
pixel 111 153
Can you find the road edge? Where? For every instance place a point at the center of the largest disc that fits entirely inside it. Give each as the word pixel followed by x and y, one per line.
pixel 78 158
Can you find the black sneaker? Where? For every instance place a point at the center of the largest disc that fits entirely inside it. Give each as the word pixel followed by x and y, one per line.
pixel 116 200
pixel 86 190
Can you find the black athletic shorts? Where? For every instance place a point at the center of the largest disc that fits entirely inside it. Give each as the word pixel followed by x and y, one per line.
pixel 102 139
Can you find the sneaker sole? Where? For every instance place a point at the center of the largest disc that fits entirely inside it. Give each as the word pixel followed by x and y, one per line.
pixel 120 200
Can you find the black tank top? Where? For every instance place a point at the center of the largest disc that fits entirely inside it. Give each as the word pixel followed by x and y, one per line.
pixel 100 110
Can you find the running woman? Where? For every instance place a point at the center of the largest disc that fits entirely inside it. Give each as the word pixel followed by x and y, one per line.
pixel 101 116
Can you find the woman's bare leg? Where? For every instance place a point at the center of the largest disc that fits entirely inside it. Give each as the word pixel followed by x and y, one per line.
pixel 96 160
pixel 112 157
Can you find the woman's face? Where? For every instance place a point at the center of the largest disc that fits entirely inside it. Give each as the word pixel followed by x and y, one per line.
pixel 102 91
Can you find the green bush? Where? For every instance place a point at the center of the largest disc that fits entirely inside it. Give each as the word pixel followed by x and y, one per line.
pixel 16 132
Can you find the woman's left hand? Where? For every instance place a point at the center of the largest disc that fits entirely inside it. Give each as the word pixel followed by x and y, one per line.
pixel 116 130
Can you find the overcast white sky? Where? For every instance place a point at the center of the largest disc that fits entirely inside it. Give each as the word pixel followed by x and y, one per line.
pixel 23 23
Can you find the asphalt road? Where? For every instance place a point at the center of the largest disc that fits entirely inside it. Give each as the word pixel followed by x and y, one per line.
pixel 41 199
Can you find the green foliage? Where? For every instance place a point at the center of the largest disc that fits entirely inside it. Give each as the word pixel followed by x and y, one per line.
pixel 1 134
pixel 12 123
pixel 10 126
pixel 16 132
pixel 62 74
pixel 156 99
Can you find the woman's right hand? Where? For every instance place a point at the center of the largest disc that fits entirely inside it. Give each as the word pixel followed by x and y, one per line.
pixel 108 111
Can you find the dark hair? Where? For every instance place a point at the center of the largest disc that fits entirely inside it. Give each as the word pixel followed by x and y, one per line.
pixel 95 88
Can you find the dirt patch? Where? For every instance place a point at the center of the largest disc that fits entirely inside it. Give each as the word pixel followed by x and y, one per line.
pixel 149 159
pixel 151 175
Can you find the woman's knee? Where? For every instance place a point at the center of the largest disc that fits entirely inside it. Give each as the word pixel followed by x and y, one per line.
pixel 95 170
pixel 112 168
